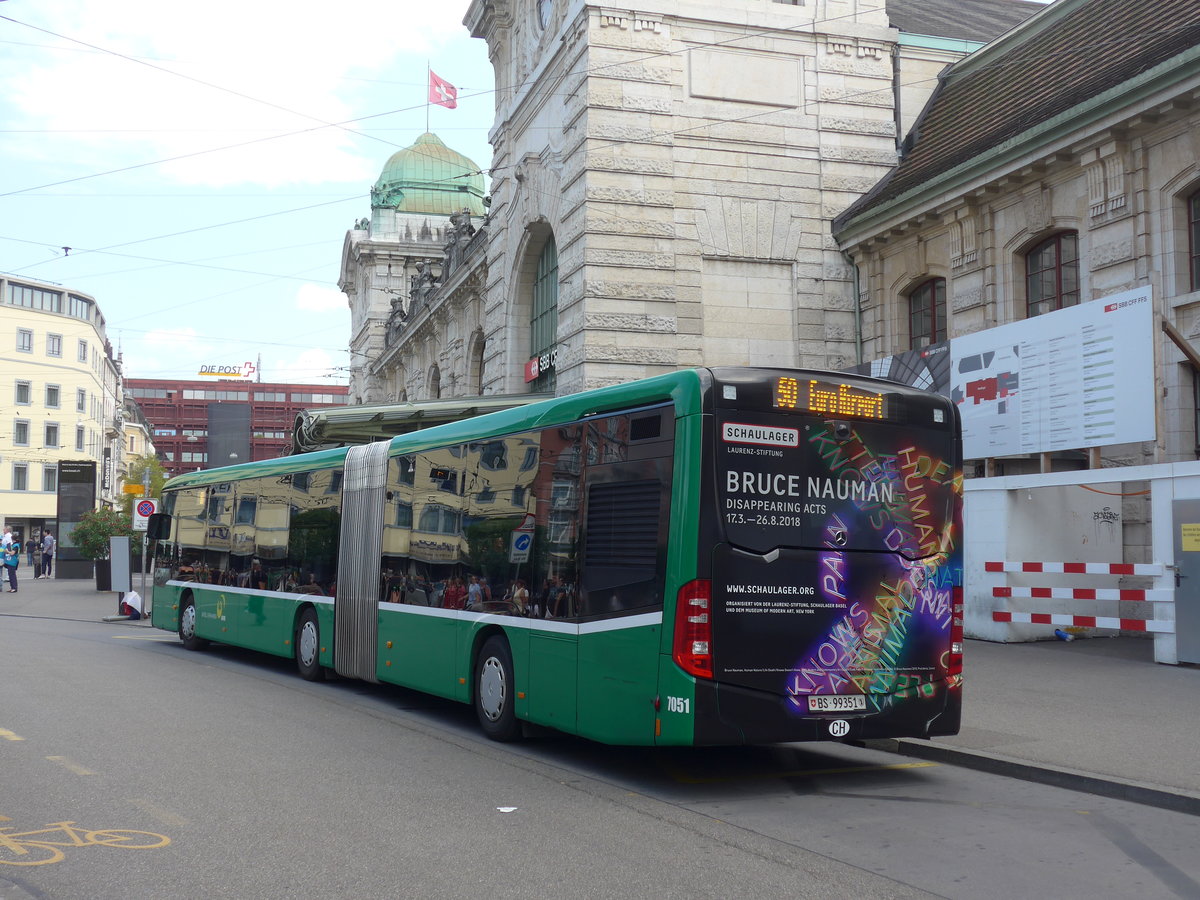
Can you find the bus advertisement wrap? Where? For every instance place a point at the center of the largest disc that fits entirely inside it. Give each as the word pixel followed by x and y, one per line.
pixel 842 558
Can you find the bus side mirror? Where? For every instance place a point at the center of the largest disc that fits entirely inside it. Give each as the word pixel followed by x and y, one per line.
pixel 158 527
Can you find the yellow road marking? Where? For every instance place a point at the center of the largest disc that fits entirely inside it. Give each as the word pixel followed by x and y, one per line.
pixel 70 766
pixel 138 637
pixel 163 815
pixel 10 735
pixel 684 778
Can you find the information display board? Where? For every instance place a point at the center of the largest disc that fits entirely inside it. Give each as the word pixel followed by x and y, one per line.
pixel 1075 378
pixel 1072 379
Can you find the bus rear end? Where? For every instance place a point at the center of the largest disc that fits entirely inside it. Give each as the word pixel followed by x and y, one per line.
pixel 829 599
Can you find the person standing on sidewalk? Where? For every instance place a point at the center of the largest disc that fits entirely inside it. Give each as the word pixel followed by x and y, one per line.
pixel 31 547
pixel 12 559
pixel 48 543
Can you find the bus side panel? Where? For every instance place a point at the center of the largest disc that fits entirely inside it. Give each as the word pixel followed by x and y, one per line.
pixel 164 611
pixel 265 622
pixel 676 714
pixel 616 698
pixel 554 669
pixel 675 719
pixel 215 621
pixel 416 648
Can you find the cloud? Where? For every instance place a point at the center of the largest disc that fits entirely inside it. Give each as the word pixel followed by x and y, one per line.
pixel 316 367
pixel 320 298
pixel 250 72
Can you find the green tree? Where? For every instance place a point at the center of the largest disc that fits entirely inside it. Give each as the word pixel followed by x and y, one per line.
pixel 96 526
pixel 137 475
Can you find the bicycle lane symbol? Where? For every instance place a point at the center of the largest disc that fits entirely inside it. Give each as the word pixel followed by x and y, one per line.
pixel 30 848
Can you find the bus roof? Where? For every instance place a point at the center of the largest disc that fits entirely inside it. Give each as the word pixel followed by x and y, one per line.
pixel 683 387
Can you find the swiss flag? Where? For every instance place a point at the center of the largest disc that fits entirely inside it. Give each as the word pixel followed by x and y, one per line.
pixel 442 92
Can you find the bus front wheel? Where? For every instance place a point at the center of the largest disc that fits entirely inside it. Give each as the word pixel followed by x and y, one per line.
pixel 187 626
pixel 494 690
pixel 308 647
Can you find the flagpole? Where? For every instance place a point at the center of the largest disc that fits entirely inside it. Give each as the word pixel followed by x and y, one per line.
pixel 428 81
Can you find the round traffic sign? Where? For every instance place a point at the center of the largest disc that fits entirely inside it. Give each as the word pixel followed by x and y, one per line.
pixel 522 542
pixel 145 508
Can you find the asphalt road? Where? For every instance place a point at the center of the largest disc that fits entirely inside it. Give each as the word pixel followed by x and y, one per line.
pixel 251 782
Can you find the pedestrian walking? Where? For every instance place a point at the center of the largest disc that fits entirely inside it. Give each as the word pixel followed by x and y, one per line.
pixel 7 540
pixel 12 559
pixel 31 547
pixel 48 544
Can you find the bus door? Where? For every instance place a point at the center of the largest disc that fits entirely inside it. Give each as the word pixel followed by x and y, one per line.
pixel 355 607
pixel 833 578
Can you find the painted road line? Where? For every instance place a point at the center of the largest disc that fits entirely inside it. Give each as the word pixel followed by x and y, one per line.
pixel 684 778
pixel 164 639
pixel 70 765
pixel 163 815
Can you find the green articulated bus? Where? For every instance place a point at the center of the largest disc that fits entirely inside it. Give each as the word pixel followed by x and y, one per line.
pixel 714 556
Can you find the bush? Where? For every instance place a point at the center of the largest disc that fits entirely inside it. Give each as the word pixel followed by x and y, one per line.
pixel 90 536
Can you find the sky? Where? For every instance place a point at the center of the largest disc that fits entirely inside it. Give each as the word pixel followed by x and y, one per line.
pixel 203 164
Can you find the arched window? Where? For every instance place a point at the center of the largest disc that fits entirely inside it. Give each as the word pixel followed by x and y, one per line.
pixel 1052 274
pixel 435 384
pixel 927 314
pixel 543 325
pixel 475 367
pixel 1193 206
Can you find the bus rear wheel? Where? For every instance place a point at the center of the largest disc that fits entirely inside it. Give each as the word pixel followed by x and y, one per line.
pixel 187 626
pixel 308 647
pixel 494 690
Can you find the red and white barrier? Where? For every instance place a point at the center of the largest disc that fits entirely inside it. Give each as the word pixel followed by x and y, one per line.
pixel 1045 593
pixel 1063 619
pixel 1157 595
pixel 1076 568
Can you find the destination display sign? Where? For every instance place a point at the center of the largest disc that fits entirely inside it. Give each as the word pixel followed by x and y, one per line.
pixel 829 399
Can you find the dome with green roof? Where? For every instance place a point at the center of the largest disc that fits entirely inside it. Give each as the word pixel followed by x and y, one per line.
pixel 429 178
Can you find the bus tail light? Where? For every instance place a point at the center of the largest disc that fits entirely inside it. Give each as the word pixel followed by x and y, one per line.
pixel 693 628
pixel 955 665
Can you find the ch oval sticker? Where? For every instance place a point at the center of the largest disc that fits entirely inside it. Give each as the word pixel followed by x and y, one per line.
pixel 839 728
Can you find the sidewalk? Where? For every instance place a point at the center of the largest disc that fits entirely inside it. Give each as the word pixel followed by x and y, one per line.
pixel 74 598
pixel 1095 715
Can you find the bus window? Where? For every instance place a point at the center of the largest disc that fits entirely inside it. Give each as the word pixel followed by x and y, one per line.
pixel 272 515
pixel 502 544
pixel 313 533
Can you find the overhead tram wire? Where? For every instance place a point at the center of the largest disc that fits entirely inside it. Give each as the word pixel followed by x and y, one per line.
pixel 160 262
pixel 514 87
pixel 83 251
pixel 766 32
pixel 199 81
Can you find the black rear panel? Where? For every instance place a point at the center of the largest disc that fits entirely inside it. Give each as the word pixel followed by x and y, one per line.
pixel 836 555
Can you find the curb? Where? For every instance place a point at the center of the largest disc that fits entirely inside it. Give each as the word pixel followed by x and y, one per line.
pixel 1043 773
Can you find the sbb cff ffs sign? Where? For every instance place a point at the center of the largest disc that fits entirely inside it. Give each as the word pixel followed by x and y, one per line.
pixel 540 365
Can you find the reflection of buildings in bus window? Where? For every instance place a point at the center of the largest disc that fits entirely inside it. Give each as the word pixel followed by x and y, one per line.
pixel 243 523
pixel 188 524
pixel 313 531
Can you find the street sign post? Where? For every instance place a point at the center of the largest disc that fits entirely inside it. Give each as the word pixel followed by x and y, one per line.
pixel 142 511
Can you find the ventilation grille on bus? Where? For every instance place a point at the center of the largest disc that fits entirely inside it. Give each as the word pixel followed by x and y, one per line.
pixel 622 524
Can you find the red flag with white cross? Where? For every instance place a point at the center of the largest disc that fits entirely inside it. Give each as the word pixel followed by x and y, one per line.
pixel 442 92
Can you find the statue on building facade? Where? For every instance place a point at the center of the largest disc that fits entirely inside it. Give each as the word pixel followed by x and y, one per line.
pixel 458 236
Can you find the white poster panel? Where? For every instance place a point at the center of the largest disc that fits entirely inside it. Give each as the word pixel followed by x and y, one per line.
pixel 1074 378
